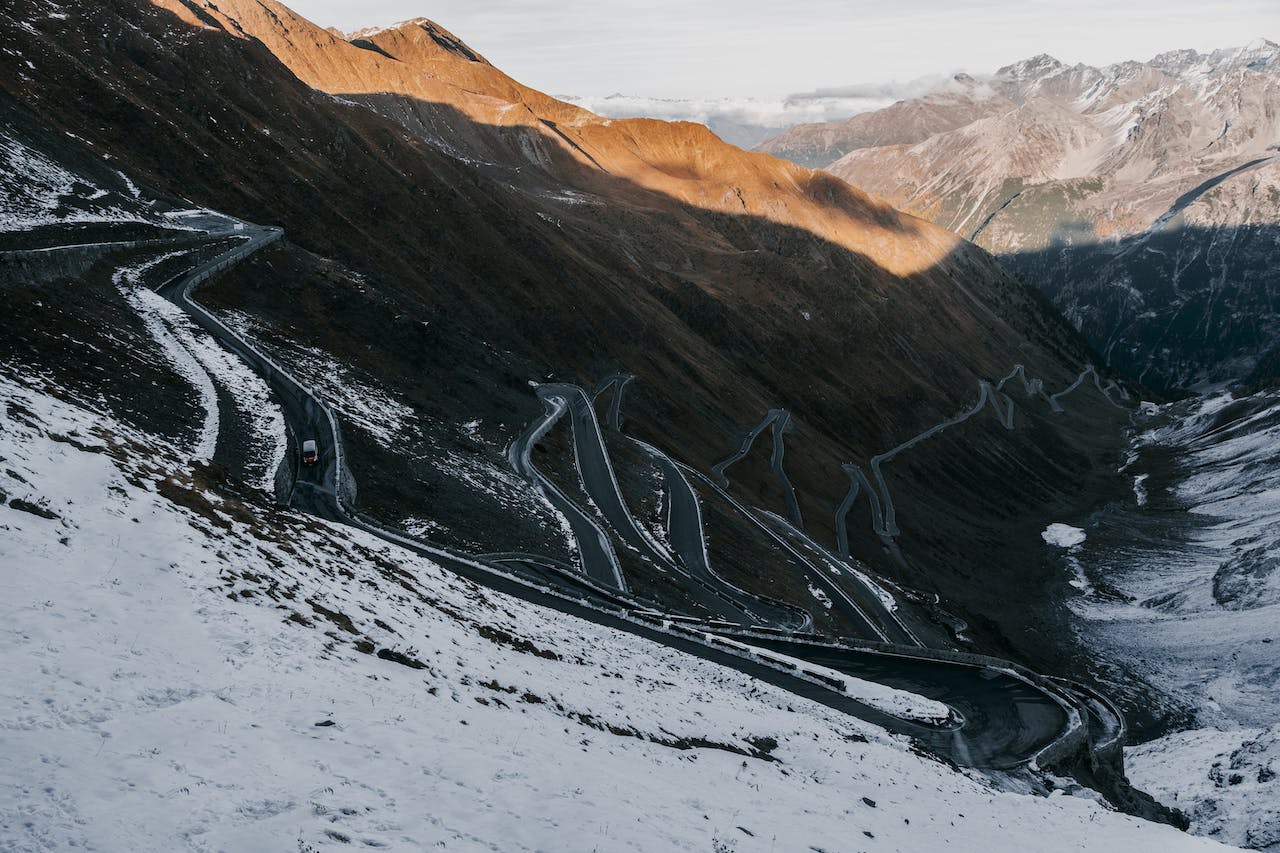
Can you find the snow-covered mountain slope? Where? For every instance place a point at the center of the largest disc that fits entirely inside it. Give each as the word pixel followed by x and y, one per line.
pixel 35 191
pixel 1142 197
pixel 1120 144
pixel 187 670
pixel 1185 594
pixel 1228 782
pixel 1192 560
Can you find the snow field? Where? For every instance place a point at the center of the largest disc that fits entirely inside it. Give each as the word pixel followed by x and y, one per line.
pixel 1208 632
pixel 187 672
pixel 1228 782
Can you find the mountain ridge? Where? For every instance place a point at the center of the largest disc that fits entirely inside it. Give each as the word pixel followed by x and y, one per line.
pixel 1098 185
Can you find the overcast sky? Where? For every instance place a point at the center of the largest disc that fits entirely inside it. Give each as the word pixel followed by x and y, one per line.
pixel 754 48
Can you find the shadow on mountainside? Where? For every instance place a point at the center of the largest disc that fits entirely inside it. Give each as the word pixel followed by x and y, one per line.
pixel 1174 307
pixel 452 283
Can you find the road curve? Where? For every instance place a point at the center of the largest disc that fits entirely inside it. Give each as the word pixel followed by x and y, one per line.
pixel 884 515
pixel 595 552
pixel 855 614
pixel 595 470
pixel 1004 717
pixel 685 530
pixel 862 593
pixel 619 382
pixel 780 421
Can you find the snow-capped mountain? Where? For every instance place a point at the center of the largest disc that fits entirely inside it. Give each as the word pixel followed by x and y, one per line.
pixel 1141 196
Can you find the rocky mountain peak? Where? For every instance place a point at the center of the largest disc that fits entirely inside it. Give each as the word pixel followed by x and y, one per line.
pixel 1176 61
pixel 420 32
pixel 399 26
pixel 1040 65
pixel 1258 55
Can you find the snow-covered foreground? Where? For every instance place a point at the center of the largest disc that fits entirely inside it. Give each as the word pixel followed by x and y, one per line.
pixel 181 671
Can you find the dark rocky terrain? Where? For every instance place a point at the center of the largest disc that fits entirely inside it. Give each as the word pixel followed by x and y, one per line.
pixel 452 236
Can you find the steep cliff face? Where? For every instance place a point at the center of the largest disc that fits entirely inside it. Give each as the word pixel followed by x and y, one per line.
pixel 452 235
pixel 1142 197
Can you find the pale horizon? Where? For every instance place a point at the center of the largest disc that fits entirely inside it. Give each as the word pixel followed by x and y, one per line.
pixel 720 49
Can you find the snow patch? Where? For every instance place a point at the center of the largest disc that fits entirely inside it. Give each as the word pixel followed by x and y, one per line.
pixel 36 191
pixel 374 410
pixel 199 358
pixel 1140 490
pixel 1063 535
pixel 176 335
pixel 1070 539
pixel 820 596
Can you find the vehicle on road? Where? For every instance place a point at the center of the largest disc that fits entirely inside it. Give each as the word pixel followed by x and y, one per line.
pixel 309 454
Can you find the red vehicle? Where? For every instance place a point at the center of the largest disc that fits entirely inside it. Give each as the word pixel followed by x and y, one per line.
pixel 309 455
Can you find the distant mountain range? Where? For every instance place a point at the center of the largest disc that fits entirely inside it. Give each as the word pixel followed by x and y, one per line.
pixel 1143 197
pixel 747 122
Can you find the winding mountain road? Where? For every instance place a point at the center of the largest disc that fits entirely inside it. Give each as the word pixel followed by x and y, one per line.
pixel 595 470
pixel 1007 723
pixel 884 515
pixel 595 551
pixel 686 532
pixel 780 421
pixel 1003 714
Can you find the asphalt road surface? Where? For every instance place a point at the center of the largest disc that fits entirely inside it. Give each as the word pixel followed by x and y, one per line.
pixel 1005 719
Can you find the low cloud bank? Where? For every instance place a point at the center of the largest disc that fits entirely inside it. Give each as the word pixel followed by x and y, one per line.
pixel 749 121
